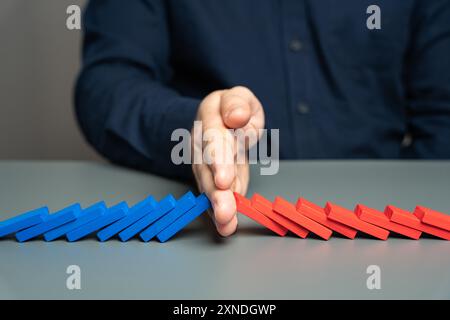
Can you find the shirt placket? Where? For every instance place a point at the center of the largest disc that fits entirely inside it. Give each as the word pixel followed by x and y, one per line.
pixel 296 42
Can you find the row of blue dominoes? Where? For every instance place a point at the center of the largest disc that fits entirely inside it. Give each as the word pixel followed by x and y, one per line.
pixel 148 218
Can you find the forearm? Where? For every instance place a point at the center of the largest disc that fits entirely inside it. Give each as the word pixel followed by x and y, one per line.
pixel 129 118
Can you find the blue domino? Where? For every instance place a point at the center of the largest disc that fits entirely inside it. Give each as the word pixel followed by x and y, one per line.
pixel 202 204
pixel 136 212
pixel 85 216
pixel 52 221
pixel 23 221
pixel 185 203
pixel 163 207
pixel 113 214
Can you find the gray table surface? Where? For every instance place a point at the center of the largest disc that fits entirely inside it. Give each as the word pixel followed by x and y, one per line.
pixel 252 264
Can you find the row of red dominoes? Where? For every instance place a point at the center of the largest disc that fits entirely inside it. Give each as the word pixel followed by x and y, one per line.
pixel 282 216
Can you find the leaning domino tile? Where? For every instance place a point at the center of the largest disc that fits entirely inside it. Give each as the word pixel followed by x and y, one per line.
pixel 317 213
pixel 406 218
pixel 379 219
pixel 287 209
pixel 136 212
pixel 113 214
pixel 349 218
pixel 52 221
pixel 23 221
pixel 433 217
pixel 85 216
pixel 185 203
pixel 264 206
pixel 244 206
pixel 163 207
pixel 202 204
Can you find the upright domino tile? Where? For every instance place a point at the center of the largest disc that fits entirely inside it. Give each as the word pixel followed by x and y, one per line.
pixel 136 212
pixel 243 205
pixel 433 217
pixel 52 221
pixel 85 216
pixel 379 219
pixel 201 205
pixel 349 218
pixel 185 203
pixel 406 218
pixel 317 213
pixel 264 206
pixel 23 221
pixel 113 214
pixel 163 207
pixel 288 210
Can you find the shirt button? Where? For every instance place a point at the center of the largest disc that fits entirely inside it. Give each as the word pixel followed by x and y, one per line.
pixel 302 108
pixel 295 45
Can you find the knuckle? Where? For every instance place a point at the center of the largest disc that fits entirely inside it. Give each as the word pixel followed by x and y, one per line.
pixel 232 101
pixel 211 98
pixel 217 93
pixel 244 91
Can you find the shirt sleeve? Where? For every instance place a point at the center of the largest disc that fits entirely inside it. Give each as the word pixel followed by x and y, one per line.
pixel 123 102
pixel 428 81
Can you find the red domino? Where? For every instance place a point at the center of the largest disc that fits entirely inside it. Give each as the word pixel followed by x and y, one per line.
pixel 379 219
pixel 288 210
pixel 406 218
pixel 317 213
pixel 265 207
pixel 243 205
pixel 349 218
pixel 432 217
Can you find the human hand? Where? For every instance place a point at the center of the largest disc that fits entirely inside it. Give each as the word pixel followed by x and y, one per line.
pixel 235 108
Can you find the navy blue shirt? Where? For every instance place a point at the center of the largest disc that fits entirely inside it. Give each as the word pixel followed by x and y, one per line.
pixel 334 88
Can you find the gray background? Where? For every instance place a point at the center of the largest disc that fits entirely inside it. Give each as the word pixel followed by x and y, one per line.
pixel 39 60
